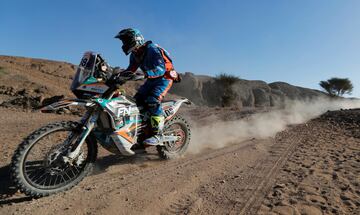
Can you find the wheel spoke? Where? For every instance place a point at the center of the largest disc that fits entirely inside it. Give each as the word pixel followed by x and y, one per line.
pixel 66 173
pixel 49 181
pixel 39 175
pixel 56 178
pixel 172 131
pixel 34 163
pixel 42 182
pixel 32 168
pixel 72 170
pixel 77 169
pixel 35 174
pixel 62 179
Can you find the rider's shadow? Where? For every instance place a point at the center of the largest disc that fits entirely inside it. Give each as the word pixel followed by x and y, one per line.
pixel 8 189
pixel 143 160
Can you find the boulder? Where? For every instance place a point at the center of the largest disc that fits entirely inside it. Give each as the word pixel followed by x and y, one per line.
pixel 262 98
pixel 190 87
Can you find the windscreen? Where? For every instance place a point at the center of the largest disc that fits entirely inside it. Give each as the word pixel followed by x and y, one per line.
pixel 84 70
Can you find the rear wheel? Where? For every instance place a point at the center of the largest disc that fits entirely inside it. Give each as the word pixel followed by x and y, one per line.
pixel 180 128
pixel 39 167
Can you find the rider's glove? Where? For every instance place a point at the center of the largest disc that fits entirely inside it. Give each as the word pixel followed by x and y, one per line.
pixel 114 79
pixel 127 74
pixel 116 70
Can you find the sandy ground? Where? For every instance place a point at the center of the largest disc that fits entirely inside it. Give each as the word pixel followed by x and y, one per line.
pixel 322 176
pixel 310 168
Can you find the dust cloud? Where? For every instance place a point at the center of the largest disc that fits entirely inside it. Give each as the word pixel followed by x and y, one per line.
pixel 263 125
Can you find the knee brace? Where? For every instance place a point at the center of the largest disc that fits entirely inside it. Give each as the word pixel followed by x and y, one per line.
pixel 157 123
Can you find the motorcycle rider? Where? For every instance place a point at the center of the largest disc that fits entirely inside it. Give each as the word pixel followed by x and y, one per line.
pixel 157 66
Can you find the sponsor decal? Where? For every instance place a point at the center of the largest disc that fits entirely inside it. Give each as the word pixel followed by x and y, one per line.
pixel 173 74
pixel 123 111
pixel 169 111
pixel 84 60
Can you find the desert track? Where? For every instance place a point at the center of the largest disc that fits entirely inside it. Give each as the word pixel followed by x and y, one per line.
pixel 236 179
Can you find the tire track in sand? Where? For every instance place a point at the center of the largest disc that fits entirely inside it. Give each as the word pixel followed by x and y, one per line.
pixel 237 192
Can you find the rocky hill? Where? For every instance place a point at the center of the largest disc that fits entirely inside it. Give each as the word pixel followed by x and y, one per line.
pixel 27 83
pixel 211 91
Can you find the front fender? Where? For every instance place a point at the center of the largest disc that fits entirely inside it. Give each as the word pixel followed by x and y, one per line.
pixel 66 103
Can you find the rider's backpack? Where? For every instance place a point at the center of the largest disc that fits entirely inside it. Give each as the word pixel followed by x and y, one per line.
pixel 170 71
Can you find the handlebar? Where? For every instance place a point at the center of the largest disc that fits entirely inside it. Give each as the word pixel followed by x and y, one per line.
pixel 121 80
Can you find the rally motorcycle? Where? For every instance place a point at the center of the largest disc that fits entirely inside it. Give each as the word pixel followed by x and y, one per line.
pixel 59 155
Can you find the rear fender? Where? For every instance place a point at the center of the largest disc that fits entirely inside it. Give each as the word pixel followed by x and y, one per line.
pixel 171 107
pixel 66 103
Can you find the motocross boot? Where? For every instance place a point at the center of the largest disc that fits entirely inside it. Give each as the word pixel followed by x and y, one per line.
pixel 123 145
pixel 157 124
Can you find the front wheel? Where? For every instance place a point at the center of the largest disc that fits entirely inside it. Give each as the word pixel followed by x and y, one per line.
pixel 179 127
pixel 39 166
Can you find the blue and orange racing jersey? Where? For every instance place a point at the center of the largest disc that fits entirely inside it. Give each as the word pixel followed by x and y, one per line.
pixel 153 64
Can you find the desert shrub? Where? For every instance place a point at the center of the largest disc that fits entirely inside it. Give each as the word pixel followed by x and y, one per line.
pixel 228 98
pixel 225 81
pixel 337 86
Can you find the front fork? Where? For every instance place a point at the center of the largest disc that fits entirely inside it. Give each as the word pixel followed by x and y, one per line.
pixel 88 122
